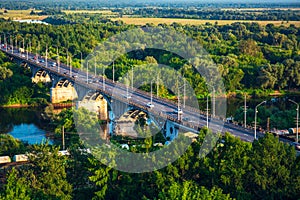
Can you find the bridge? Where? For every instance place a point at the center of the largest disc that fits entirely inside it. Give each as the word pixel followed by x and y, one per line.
pixel 97 92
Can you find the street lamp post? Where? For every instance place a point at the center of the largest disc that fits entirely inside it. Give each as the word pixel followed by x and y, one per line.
pixel 213 100
pixel 179 113
pixel 245 111
pixel 5 40
pixel 87 72
pixel 132 77
pixel 46 58
pixel 151 94
pixel 207 111
pixel 80 58
pixel 255 117
pixel 113 72
pixel 297 120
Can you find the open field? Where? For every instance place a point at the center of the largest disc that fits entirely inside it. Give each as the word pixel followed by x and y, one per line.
pixel 143 21
pixel 106 12
pixel 260 9
pixel 20 14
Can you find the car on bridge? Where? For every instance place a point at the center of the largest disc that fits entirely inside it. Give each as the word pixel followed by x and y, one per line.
pixel 126 96
pixel 178 111
pixel 150 105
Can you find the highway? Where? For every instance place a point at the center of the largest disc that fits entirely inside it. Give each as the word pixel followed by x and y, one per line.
pixel 162 107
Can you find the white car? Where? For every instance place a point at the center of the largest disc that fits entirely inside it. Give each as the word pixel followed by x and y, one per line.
pixel 178 111
pixel 127 96
pixel 149 105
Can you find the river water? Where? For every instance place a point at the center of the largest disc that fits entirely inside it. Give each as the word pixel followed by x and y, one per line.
pixel 26 123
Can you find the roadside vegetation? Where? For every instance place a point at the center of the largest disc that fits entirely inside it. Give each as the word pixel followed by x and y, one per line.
pixel 266 169
pixel 17 88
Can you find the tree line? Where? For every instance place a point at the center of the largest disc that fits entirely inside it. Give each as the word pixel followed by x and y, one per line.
pixel 264 169
pixel 213 14
pixel 248 55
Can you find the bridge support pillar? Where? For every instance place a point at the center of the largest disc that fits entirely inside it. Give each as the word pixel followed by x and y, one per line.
pixel 97 106
pixel 171 130
pixel 61 94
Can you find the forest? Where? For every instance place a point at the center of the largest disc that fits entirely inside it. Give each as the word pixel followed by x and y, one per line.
pixel 16 86
pixel 250 57
pixel 213 14
pixel 102 4
pixel 264 169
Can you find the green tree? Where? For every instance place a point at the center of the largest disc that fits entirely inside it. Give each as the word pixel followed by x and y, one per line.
pixel 46 173
pixel 16 188
pixel 271 166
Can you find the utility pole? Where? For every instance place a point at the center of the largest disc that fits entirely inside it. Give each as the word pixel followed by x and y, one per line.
pixel 127 85
pixel 157 85
pixel 12 45
pixel 214 102
pixel 71 66
pixel 207 111
pixel 245 111
pixel 87 72
pixel 63 137
pixel 57 59
pixel 103 78
pixel 255 118
pixel 95 67
pixel 67 57
pixel 27 51
pixel 5 42
pixel 297 120
pixel 184 90
pixel 113 71
pixel 151 94
pixel 46 59
pixel 132 77
pixel 178 101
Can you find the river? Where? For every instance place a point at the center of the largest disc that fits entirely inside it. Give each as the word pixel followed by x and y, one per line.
pixel 26 123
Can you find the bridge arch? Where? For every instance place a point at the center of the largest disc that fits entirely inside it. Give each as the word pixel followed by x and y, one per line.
pixel 40 75
pixel 97 102
pixel 62 90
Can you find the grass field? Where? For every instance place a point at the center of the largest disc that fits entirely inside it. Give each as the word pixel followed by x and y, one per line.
pixel 143 21
pixel 260 9
pixel 20 14
pixel 105 12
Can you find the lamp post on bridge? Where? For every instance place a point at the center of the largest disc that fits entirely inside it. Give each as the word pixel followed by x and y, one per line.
pixel 80 58
pixel 4 40
pixel 57 58
pixel 28 46
pixel 12 42
pixel 207 110
pixel 179 111
pixel 36 51
pixel 113 72
pixel 255 118
pixel 87 72
pixel 297 120
pixel 213 100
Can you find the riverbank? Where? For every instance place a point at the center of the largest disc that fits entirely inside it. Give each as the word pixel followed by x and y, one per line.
pixel 55 105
